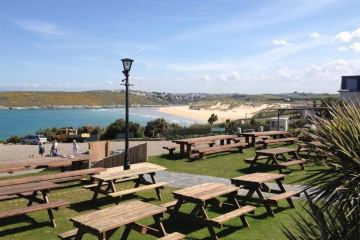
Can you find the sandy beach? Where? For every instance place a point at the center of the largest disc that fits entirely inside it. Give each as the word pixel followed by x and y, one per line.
pixel 202 115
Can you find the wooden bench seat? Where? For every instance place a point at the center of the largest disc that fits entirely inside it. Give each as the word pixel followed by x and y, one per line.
pixel 220 220
pixel 277 197
pixel 171 149
pixel 138 189
pixel 222 148
pixel 169 205
pixel 293 162
pixel 54 177
pixel 279 140
pixel 173 236
pixel 34 208
pixel 69 234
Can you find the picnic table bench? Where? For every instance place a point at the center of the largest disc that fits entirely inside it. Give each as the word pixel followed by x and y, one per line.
pixel 211 140
pixel 105 181
pixel 257 182
pixel 53 177
pixel 44 162
pixel 201 196
pixel 312 147
pixel 273 156
pixel 201 152
pixel 170 148
pixel 253 135
pixel 34 188
pixel 103 223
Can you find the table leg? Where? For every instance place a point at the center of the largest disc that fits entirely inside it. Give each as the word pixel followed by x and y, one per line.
pixel 253 141
pixel 97 190
pixel 112 186
pixel 247 139
pixel 126 233
pixel 188 150
pixel 182 148
pixel 79 234
pixel 282 189
pixel 50 213
pixel 157 190
pixel 266 204
pixel 139 180
pixel 159 225
pixel 32 198
pixel 202 212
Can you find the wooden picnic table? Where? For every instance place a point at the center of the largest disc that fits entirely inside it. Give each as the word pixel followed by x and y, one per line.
pixel 44 162
pixel 30 191
pixel 106 180
pixel 103 223
pixel 311 147
pixel 189 142
pixel 257 183
pixel 273 157
pixel 204 194
pixel 253 135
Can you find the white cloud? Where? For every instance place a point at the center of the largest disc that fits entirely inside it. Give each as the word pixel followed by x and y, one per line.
pixel 314 35
pixel 40 27
pixel 213 66
pixel 110 83
pixel 342 49
pixel 355 46
pixel 281 42
pixel 348 36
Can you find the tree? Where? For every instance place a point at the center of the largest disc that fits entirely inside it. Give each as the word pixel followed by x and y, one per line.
pixel 118 126
pixel 213 118
pixel 156 127
pixel 334 192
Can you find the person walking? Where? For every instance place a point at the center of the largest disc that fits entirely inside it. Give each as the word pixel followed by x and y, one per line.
pixel 75 148
pixel 41 148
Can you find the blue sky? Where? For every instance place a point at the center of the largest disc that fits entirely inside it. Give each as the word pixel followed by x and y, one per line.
pixel 215 46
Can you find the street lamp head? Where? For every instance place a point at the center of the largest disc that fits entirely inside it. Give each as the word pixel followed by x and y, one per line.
pixel 127 62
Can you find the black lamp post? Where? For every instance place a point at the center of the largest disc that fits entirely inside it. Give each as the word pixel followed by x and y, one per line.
pixel 127 62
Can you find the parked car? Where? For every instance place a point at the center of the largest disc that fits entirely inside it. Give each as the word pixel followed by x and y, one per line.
pixel 34 139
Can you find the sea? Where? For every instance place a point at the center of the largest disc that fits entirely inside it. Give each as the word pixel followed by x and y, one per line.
pixel 23 122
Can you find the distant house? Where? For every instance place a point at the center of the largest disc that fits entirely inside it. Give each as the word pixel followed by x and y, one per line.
pixel 350 89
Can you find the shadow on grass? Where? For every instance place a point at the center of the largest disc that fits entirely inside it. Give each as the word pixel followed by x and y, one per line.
pixel 33 224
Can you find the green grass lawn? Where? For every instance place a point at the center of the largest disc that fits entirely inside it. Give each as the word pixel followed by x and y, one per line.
pixel 230 165
pixel 37 225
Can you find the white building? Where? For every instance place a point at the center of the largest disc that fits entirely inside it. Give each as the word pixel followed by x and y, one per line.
pixel 350 89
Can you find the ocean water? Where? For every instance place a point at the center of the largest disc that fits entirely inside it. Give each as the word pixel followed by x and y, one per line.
pixel 28 121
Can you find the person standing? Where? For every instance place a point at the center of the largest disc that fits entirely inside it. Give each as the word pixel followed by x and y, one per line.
pixel 41 148
pixel 75 148
pixel 54 148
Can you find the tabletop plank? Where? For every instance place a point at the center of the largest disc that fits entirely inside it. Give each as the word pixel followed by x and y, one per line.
pixel 118 173
pixel 201 139
pixel 257 178
pixel 117 216
pixel 275 151
pixel 205 191
pixel 27 187
pixel 265 133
